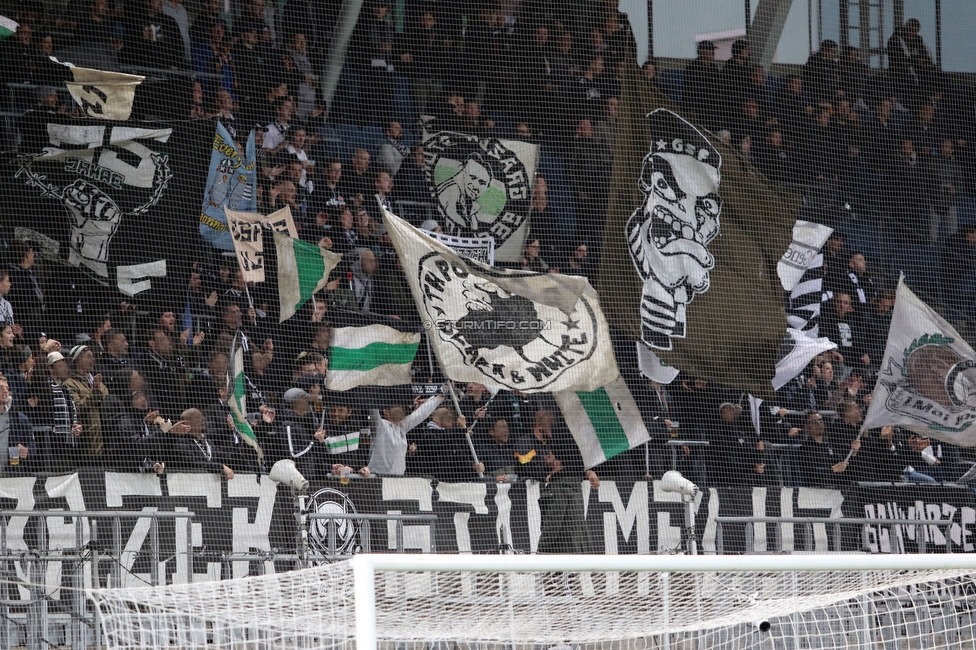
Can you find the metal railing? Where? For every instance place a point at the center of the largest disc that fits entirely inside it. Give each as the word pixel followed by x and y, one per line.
pixel 80 625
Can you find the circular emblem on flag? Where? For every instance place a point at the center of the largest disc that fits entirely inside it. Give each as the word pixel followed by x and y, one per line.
pixel 481 186
pixel 324 545
pixel 511 340
pixel 938 373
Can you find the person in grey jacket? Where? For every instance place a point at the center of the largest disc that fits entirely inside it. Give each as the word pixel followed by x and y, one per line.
pixel 390 446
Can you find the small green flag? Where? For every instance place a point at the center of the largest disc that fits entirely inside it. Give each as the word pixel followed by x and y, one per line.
pixel 237 395
pixel 303 269
pixel 8 27
pixel 375 355
pixel 604 422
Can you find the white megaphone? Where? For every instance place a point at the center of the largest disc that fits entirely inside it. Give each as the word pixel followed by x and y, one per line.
pixel 673 481
pixel 284 471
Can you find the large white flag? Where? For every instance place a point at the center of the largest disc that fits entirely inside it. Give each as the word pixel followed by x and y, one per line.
pixel 928 377
pixel 516 330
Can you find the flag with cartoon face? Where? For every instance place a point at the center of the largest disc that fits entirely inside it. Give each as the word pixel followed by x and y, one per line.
pixel 482 186
pixel 691 244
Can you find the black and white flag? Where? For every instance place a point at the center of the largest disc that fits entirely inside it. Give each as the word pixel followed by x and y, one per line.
pixel 514 330
pixel 482 186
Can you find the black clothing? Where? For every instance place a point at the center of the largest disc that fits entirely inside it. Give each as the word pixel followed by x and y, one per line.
pixel 701 87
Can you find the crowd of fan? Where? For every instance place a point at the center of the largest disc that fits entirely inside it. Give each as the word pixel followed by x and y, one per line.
pixel 895 145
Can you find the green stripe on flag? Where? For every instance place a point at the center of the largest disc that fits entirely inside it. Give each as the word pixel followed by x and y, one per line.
pixel 311 267
pixel 371 356
pixel 8 27
pixel 606 424
pixel 343 442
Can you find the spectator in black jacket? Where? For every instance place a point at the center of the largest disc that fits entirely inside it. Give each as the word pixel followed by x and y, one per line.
pixel 443 451
pixel 821 460
pixel 820 74
pixel 958 273
pixel 702 84
pixel 187 448
pixel 549 455
pixel 842 325
pixel 735 453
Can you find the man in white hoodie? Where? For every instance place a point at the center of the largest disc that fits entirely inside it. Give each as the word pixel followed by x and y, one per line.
pixel 389 447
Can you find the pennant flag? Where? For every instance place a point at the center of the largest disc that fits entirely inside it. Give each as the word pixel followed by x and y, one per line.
pixel 605 422
pixel 927 382
pixel 482 186
pixel 374 355
pixel 8 27
pixel 799 351
pixel 808 239
pixel 96 188
pixel 517 330
pixel 652 367
pixel 103 95
pixel 247 233
pixel 237 395
pixel 303 269
pixel 231 183
pixel 691 244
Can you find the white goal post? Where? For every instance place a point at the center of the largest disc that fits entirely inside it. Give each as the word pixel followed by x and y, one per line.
pixel 366 566
pixel 589 602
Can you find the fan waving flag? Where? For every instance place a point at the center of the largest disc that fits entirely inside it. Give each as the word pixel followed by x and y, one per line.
pixel 517 330
pixel 236 395
pixel 927 382
pixel 605 422
pixel 303 269
pixel 692 240
pixel 374 355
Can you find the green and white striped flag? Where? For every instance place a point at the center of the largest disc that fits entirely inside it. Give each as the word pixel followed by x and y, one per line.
pixel 375 355
pixel 342 443
pixel 8 27
pixel 604 422
pixel 236 395
pixel 303 269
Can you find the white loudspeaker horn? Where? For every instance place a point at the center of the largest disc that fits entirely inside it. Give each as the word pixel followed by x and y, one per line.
pixel 284 471
pixel 673 481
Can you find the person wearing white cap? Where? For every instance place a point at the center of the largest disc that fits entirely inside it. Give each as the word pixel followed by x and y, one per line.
pixel 56 410
pixel 88 393
pixel 431 226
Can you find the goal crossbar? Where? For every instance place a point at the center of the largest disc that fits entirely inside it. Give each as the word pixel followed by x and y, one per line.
pixel 365 567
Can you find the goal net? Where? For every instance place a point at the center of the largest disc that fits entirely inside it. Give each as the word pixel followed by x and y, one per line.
pixel 528 607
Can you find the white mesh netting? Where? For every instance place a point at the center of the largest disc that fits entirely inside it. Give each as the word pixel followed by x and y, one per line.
pixel 316 608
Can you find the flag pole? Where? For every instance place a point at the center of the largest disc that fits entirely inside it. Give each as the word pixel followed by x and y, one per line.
pixel 467 433
pixel 430 357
